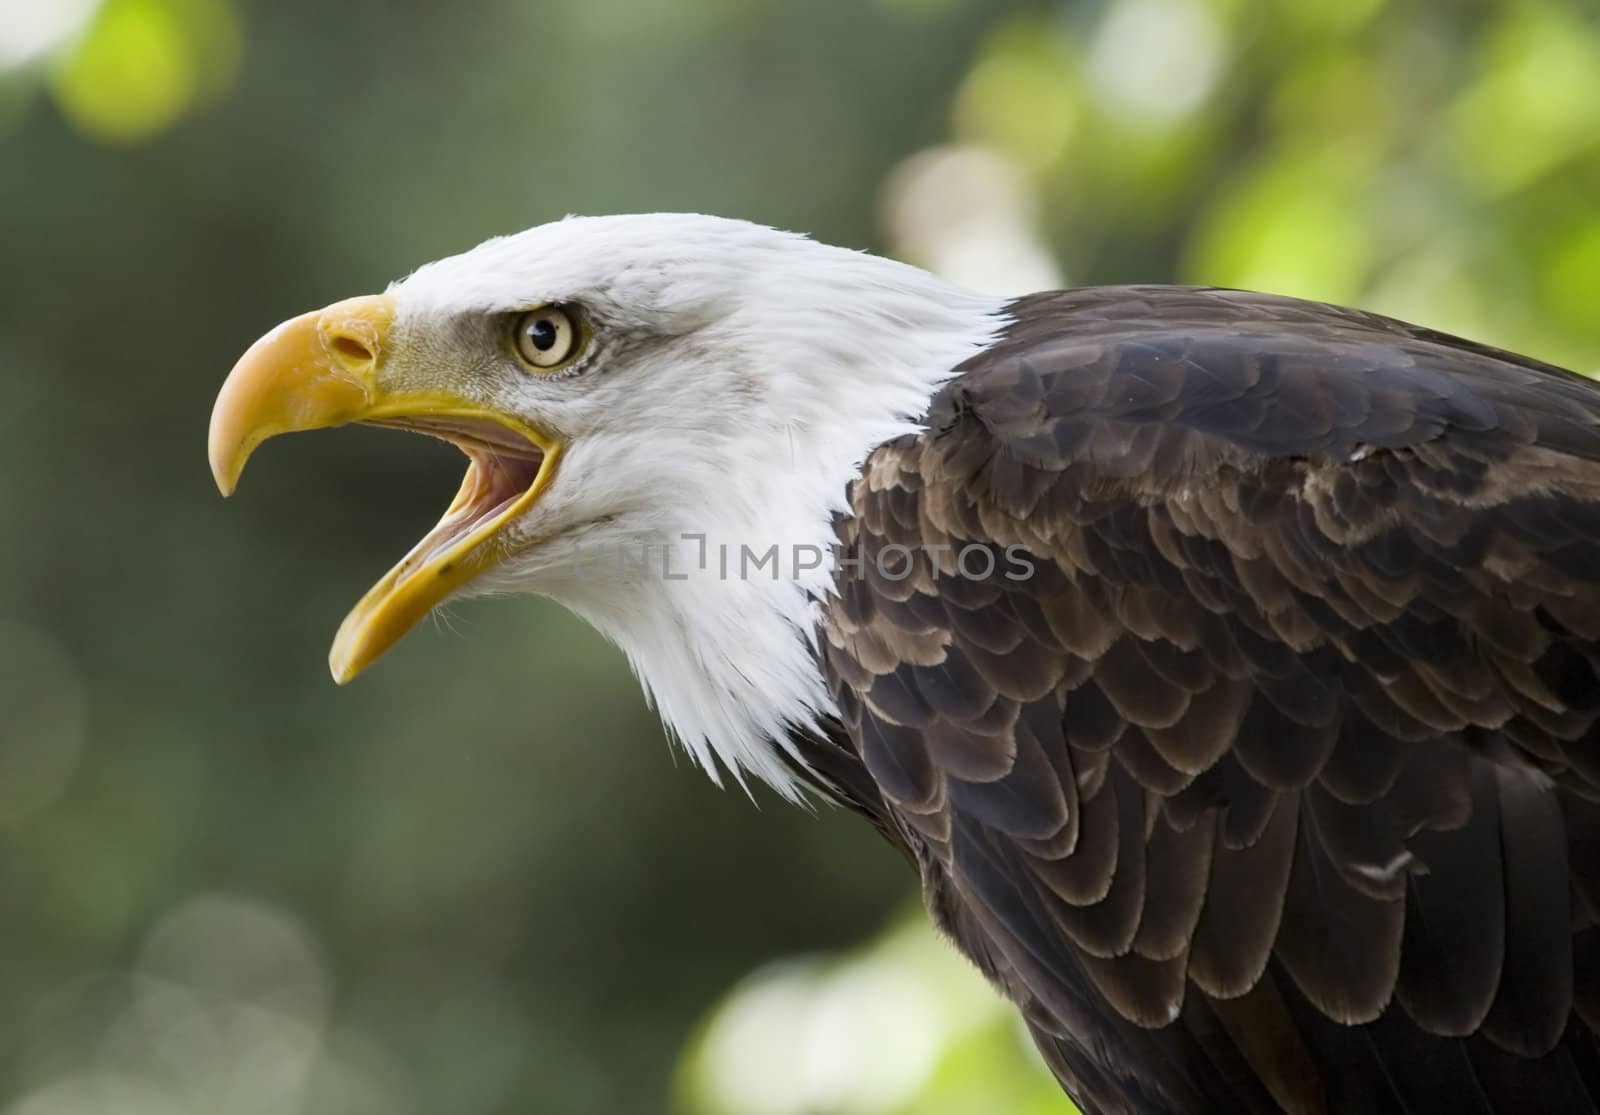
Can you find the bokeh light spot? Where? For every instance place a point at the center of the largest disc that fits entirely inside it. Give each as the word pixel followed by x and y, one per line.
pixel 969 214
pixel 1155 61
pixel 904 1024
pixel 30 29
pixel 143 63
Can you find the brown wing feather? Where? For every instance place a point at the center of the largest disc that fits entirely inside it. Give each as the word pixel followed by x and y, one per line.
pixel 1271 783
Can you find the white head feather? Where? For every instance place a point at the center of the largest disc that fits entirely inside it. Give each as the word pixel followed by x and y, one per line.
pixel 737 378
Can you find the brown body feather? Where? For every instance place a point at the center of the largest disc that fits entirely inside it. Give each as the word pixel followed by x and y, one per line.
pixel 1274 786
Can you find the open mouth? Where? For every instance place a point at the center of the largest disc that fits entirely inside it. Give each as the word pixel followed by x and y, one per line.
pixel 509 466
pixel 504 467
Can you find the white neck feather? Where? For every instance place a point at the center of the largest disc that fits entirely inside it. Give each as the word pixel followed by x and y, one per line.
pixel 850 348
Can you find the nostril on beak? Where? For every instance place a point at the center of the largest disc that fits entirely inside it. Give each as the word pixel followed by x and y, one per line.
pixel 353 352
pixel 354 344
pixel 354 332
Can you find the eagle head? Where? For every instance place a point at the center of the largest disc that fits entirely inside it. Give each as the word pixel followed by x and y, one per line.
pixel 661 414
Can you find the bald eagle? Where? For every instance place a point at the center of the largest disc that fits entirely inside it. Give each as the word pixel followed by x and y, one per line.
pixel 1225 664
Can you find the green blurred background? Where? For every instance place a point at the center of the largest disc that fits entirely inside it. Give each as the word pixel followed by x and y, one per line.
pixel 478 881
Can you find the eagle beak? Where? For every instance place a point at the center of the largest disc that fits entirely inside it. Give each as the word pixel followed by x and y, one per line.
pixel 311 372
pixel 324 369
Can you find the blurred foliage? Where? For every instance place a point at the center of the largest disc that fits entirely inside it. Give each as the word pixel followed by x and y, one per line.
pixel 901 1025
pixel 1437 162
pixel 477 881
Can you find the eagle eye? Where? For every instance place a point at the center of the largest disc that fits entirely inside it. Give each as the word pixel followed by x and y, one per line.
pixel 547 338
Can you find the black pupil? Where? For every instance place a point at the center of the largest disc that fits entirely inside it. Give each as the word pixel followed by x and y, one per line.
pixel 543 334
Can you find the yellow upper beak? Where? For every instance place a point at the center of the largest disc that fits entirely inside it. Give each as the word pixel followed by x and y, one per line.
pixel 323 369
pixel 311 372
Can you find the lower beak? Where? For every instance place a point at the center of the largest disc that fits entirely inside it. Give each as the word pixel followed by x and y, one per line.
pixel 322 369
